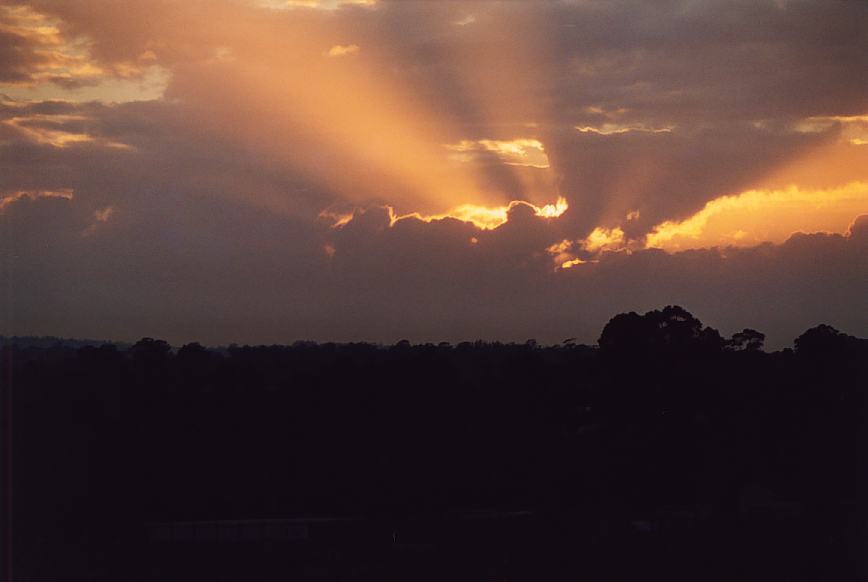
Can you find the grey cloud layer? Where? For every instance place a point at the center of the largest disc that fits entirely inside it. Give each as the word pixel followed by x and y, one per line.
pixel 246 275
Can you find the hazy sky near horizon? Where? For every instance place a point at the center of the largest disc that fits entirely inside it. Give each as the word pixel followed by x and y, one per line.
pixel 262 171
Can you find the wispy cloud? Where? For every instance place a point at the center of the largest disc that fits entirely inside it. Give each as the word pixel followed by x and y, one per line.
pixel 342 50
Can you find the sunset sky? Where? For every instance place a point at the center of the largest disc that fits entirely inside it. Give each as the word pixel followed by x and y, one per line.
pixel 264 171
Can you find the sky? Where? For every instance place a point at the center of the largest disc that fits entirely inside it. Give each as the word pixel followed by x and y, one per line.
pixel 265 171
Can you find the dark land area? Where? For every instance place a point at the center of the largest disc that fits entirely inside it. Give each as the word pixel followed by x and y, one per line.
pixel 664 453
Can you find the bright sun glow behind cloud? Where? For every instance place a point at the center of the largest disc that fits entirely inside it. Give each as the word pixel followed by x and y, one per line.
pixel 9 199
pixel 364 130
pixel 757 216
pixel 482 217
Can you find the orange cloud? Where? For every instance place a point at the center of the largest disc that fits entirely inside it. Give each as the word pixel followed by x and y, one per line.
pixel 616 128
pixel 10 199
pixel 317 4
pixel 55 65
pixel 340 50
pixel 757 216
pixel 600 239
pixel 483 217
pixel 49 129
pixel 487 217
pixel 854 128
pixel 100 216
pixel 514 152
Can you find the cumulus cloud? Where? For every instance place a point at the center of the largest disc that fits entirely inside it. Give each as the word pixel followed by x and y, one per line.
pixel 744 219
pixel 238 274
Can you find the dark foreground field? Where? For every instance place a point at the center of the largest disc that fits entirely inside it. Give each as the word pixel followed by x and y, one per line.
pixel 667 452
pixel 537 549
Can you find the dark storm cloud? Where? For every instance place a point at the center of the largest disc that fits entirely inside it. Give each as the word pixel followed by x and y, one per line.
pixel 238 274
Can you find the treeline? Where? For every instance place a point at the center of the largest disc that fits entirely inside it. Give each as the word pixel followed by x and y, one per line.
pixel 664 418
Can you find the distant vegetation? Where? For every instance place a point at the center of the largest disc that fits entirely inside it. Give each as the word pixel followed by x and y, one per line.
pixel 664 421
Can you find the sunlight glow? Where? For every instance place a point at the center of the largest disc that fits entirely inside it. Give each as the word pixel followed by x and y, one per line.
pixel 316 4
pixel 600 240
pixel 5 201
pixel 489 218
pixel 100 216
pixel 482 217
pixel 364 135
pixel 562 255
pixel 340 50
pixel 616 128
pixel 516 152
pixel 757 216
pixel 338 219
pixel 572 263
pixel 372 138
pixel 48 129
pixel 604 239
pixel 853 128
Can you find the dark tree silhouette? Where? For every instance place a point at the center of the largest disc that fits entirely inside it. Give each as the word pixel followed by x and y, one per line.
pixel 825 340
pixel 666 452
pixel 672 330
pixel 747 340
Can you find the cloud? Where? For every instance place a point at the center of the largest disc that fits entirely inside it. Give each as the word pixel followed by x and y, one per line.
pixel 56 129
pixel 663 176
pixel 317 4
pixel 193 280
pixel 744 219
pixel 615 128
pixel 9 199
pixel 853 128
pixel 859 227
pixel 41 60
pixel 730 84
pixel 515 152
pixel 341 50
pixel 100 215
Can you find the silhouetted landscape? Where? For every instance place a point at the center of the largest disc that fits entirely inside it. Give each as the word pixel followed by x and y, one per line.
pixel 665 452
